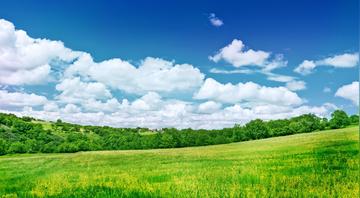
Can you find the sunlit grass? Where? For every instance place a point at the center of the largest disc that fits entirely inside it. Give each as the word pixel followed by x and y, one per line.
pixel 320 164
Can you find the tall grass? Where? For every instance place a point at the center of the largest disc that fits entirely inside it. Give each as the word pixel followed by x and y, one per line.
pixel 320 164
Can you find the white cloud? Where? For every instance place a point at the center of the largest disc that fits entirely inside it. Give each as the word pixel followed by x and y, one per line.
pixel 278 77
pixel 350 92
pixel 209 107
pixel 296 85
pixel 25 60
pixel 291 82
pixel 246 92
pixel 152 75
pixel 23 76
pixel 236 54
pixel 51 107
pixel 75 91
pixel 338 61
pixel 150 101
pixel 215 21
pixel 305 67
pixel 176 110
pixel 19 99
pixel 269 112
pixel 178 114
pixel 71 108
pixel 343 60
pixel 277 62
pixel 110 105
pixel 236 71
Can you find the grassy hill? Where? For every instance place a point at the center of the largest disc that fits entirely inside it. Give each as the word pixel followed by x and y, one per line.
pixel 319 164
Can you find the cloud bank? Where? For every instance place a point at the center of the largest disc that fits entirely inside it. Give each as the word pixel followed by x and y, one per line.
pixel 152 92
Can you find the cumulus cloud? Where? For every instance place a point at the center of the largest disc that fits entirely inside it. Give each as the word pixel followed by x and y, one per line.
pixel 178 114
pixel 71 108
pixel 296 85
pixel 209 107
pixel 346 60
pixel 36 75
pixel 236 54
pixel 343 60
pixel 305 67
pixel 25 60
pixel 269 111
pixel 75 91
pixel 246 92
pixel 150 101
pixel 19 99
pixel 51 107
pixel 350 92
pixel 152 75
pixel 109 106
pixel 215 21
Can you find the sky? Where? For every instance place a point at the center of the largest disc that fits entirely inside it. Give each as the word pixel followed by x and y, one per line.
pixel 178 64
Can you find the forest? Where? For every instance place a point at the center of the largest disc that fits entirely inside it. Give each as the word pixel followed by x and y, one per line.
pixel 30 135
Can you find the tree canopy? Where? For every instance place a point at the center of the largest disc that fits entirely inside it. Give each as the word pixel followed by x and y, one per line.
pixel 29 135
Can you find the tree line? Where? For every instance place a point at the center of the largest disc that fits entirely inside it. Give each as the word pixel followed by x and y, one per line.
pixel 29 135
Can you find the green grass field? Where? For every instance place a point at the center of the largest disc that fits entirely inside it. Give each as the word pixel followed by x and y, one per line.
pixel 319 164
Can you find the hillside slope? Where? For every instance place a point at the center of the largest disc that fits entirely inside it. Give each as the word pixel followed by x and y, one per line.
pixel 29 135
pixel 304 165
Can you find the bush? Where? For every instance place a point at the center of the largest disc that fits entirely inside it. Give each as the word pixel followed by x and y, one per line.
pixel 17 147
pixel 3 147
pixel 354 119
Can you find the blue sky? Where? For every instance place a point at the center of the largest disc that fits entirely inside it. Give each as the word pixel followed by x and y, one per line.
pixel 322 32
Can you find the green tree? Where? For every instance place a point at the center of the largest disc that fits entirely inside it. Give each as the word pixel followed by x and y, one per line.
pixel 17 147
pixel 167 141
pixel 31 146
pixel 339 119
pixel 354 119
pixel 256 129
pixel 3 147
pixel 324 123
pixel 27 118
pixel 238 133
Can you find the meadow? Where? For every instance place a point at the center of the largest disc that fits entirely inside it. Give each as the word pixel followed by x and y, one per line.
pixel 318 164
